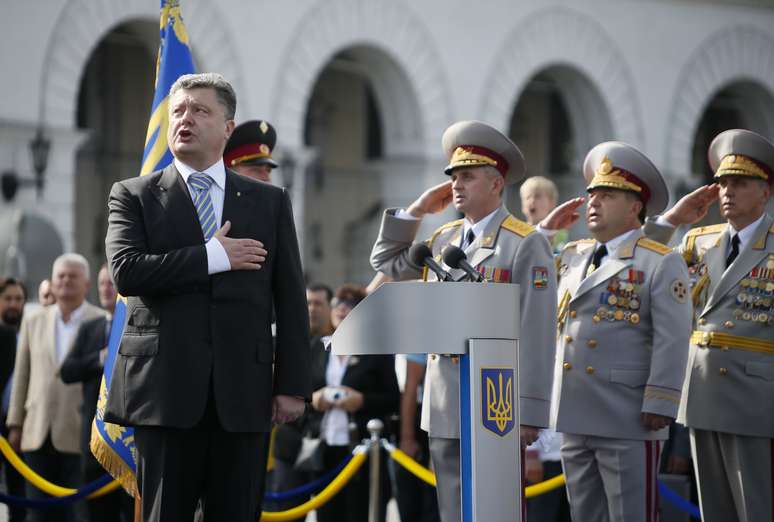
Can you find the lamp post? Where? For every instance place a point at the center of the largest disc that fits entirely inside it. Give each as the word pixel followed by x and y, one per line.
pixel 10 181
pixel 39 148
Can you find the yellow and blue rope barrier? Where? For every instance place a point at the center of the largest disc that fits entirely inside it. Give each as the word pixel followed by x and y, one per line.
pixel 360 454
pixel 44 485
pixel 334 481
pixel 534 490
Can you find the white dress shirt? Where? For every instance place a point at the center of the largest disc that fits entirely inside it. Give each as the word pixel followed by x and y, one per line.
pixel 335 422
pixel 616 242
pixel 217 259
pixel 65 331
pixel 745 235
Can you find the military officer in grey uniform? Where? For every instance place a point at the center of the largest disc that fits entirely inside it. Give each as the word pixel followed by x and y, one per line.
pixel 505 250
pixel 728 395
pixel 624 320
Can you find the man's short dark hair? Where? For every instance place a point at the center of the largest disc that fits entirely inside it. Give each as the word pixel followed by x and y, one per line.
pixel 5 282
pixel 320 287
pixel 636 197
pixel 223 90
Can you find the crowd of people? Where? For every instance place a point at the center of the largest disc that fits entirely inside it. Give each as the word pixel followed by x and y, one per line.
pixel 52 359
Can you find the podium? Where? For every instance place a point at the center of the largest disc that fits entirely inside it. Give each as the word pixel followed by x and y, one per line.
pixel 479 322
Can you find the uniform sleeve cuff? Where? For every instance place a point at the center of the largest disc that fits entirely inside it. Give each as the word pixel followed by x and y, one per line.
pixel 548 234
pixel 661 401
pixel 217 259
pixel 664 222
pixel 402 213
pixel 534 412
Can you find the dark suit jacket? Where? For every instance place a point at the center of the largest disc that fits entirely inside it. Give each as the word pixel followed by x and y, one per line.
pixel 371 375
pixel 82 365
pixel 287 437
pixel 187 332
pixel 7 357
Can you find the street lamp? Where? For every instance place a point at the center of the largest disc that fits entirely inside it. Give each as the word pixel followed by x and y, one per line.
pixel 40 147
pixel 10 181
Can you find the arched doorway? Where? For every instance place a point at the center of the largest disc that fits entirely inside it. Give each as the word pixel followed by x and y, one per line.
pixel 559 116
pixel 739 105
pixel 114 98
pixel 360 115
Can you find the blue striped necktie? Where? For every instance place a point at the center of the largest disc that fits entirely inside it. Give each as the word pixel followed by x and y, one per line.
pixel 201 184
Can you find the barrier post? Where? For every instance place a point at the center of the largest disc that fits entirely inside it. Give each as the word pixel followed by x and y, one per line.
pixel 375 427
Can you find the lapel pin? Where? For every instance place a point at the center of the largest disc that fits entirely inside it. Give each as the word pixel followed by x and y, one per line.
pixel 239 194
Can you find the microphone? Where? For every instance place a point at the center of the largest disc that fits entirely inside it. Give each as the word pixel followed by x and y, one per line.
pixel 420 255
pixel 455 257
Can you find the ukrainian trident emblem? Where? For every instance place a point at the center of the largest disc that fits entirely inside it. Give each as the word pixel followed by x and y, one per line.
pixel 497 400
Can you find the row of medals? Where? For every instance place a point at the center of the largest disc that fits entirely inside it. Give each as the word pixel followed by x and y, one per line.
pixel 756 297
pixel 620 302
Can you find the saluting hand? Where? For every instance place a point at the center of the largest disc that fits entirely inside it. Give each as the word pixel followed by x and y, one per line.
pixel 694 206
pixel 563 216
pixel 243 254
pixel 432 201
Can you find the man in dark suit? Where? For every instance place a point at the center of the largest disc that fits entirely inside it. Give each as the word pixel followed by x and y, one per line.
pixel 13 295
pixel 288 437
pixel 84 363
pixel 194 372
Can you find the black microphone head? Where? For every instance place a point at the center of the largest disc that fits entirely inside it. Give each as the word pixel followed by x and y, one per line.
pixel 452 255
pixel 418 253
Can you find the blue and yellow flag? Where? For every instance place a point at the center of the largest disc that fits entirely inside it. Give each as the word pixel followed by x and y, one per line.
pixel 113 445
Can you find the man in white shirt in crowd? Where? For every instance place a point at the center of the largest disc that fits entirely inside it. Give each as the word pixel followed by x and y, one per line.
pixel 44 413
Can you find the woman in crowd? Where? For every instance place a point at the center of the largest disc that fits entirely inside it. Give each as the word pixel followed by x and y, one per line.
pixel 350 391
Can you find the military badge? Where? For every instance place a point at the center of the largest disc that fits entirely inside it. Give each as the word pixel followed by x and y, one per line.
pixel 497 396
pixel 539 277
pixel 679 291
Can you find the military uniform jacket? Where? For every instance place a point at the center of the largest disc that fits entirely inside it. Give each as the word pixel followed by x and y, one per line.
pixel 729 385
pixel 622 339
pixel 508 251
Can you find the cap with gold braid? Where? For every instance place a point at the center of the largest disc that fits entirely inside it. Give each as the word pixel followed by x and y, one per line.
pixel 740 152
pixel 476 144
pixel 618 165
pixel 251 143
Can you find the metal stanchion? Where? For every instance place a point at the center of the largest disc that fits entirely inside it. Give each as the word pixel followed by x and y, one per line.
pixel 375 427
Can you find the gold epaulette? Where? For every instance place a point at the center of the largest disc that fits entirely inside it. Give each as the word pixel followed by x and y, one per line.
pixel 709 229
pixel 443 227
pixel 691 235
pixel 573 244
pixel 771 229
pixel 518 227
pixel 655 246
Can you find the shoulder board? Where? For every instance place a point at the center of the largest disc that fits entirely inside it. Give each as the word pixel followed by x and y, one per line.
pixel 446 226
pixel 655 246
pixel 703 231
pixel 450 224
pixel 771 229
pixel 518 227
pixel 576 243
